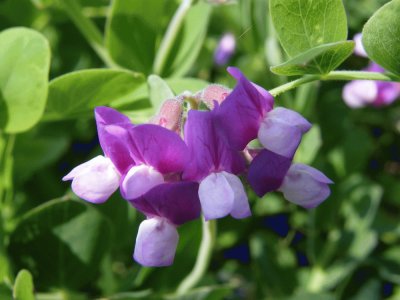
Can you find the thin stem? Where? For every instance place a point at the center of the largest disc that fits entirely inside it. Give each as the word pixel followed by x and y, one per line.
pixel 88 30
pixel 334 75
pixel 170 36
pixel 203 258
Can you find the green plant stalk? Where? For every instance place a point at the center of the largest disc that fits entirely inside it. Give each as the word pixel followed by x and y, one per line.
pixel 170 36
pixel 88 30
pixel 334 75
pixel 203 257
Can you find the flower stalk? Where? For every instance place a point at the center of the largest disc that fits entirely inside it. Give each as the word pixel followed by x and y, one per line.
pixel 203 258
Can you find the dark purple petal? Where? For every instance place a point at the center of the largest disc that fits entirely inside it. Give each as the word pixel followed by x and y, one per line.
pixel 209 151
pixel 112 128
pixel 305 186
pixel 156 243
pixel 158 147
pixel 243 110
pixel 178 202
pixel 267 171
pixel 281 131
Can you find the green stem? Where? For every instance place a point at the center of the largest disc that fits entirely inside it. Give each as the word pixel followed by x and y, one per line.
pixel 170 36
pixel 203 257
pixel 88 30
pixel 334 75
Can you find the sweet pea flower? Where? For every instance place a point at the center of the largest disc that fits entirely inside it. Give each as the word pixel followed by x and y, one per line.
pixel 247 114
pixel 96 180
pixel 225 49
pixel 360 93
pixel 215 165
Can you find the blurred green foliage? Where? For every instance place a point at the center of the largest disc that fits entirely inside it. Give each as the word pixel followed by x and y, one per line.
pixel 348 248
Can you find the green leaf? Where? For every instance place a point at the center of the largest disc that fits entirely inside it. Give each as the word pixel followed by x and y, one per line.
pixel 159 91
pixel 77 93
pixel 205 293
pixel 309 146
pixel 23 287
pixel 381 37
pixel 318 60
pixel 132 31
pixel 304 24
pixel 24 68
pixel 189 41
pixel 180 85
pixel 61 242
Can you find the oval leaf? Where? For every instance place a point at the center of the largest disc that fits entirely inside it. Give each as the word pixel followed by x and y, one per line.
pixel 319 60
pixel 303 25
pixel 24 68
pixel 61 242
pixel 159 91
pixel 381 37
pixel 23 287
pixel 76 94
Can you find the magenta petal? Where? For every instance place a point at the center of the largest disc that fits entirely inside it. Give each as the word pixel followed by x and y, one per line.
pixel 209 151
pixel 156 243
pixel 112 128
pixel 95 180
pixel 158 147
pixel 305 186
pixel 267 171
pixel 243 110
pixel 178 202
pixel 281 131
pixel 388 92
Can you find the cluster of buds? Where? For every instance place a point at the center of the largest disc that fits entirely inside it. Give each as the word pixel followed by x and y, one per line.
pixel 177 167
pixel 360 93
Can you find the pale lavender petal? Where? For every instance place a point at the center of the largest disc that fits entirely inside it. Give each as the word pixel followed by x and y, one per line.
pixel 241 113
pixel 156 243
pixel 209 151
pixel 305 186
pixel 139 180
pixel 281 131
pixel 359 48
pixel 241 207
pixel 359 93
pixel 225 49
pixel 267 171
pixel 94 181
pixel 112 128
pixel 177 202
pixel 158 147
pixel 216 196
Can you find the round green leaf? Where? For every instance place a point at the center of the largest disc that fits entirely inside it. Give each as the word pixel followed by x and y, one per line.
pixel 305 24
pixel 23 288
pixel 76 94
pixel 24 68
pixel 381 37
pixel 61 242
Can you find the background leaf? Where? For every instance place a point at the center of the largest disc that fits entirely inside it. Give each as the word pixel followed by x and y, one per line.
pixel 23 287
pixel 159 91
pixel 302 25
pixel 381 37
pixel 24 67
pixel 76 94
pixel 132 31
pixel 49 242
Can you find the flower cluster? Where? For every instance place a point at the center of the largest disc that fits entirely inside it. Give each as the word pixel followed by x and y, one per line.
pixel 172 180
pixel 360 93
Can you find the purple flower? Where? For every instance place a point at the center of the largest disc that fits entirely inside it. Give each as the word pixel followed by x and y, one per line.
pixel 225 49
pixel 359 48
pixel 215 165
pixel 360 93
